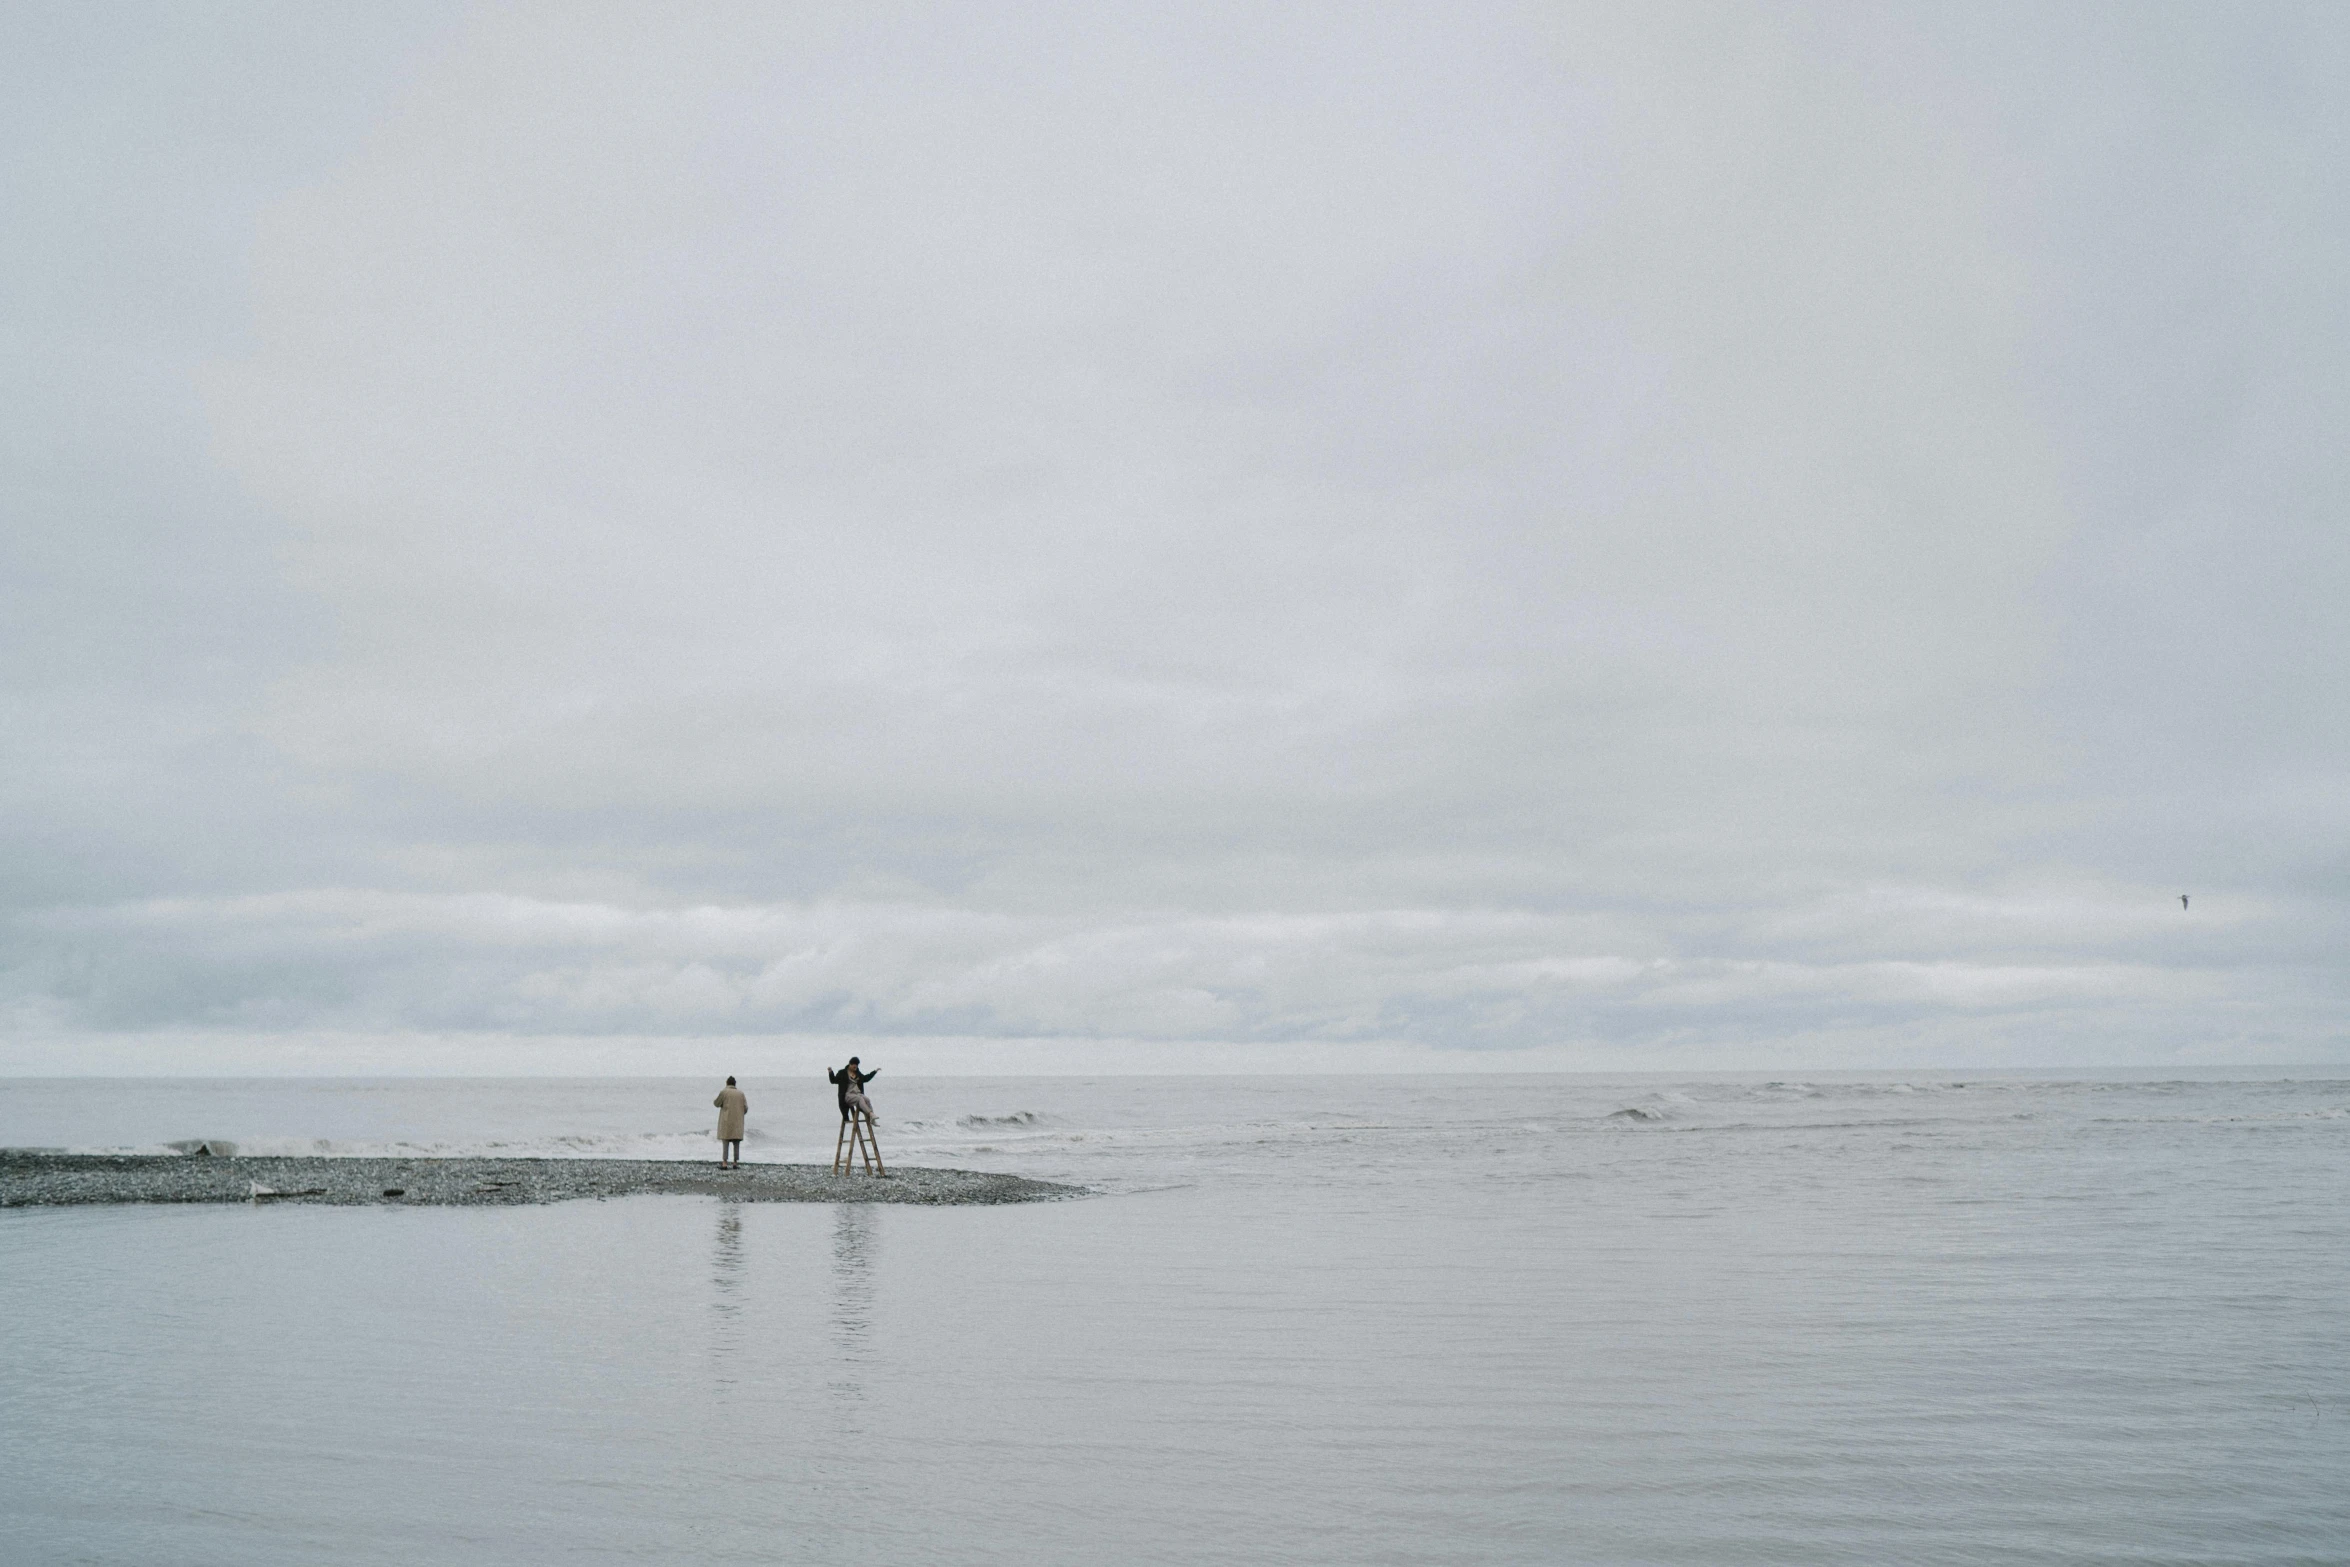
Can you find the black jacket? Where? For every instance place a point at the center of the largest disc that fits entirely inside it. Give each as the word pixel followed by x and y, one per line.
pixel 849 1077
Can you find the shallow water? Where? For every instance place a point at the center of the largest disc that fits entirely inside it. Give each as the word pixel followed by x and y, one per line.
pixel 1866 1319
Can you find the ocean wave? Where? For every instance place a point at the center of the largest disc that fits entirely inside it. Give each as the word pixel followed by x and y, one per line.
pixel 688 1145
pixel 1666 1104
pixel 2244 1118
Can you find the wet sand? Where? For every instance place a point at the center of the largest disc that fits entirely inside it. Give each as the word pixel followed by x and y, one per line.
pixel 36 1178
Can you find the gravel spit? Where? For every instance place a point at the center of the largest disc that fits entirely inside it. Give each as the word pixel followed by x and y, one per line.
pixel 38 1178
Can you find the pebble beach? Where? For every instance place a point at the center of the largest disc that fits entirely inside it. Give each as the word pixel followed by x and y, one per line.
pixel 37 1178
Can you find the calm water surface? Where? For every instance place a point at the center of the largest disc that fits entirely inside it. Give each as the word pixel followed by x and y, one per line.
pixel 1560 1319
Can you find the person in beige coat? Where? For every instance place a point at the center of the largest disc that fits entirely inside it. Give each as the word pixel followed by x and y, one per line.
pixel 732 1107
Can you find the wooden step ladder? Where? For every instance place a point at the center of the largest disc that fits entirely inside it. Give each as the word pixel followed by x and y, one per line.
pixel 857 1143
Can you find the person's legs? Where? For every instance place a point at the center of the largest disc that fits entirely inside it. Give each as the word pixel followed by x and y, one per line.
pixel 730 1153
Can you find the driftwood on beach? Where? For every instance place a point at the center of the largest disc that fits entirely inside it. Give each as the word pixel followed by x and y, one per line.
pixel 37 1178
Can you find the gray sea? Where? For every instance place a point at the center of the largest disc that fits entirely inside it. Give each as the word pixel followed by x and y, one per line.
pixel 1864 1318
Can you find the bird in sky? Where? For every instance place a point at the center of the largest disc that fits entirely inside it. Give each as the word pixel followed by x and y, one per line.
pixel 2182 903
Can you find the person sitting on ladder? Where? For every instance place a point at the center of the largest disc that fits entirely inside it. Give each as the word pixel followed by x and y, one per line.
pixel 851 1081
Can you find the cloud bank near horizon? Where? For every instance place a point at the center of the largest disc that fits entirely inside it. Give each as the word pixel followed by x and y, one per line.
pixel 1721 536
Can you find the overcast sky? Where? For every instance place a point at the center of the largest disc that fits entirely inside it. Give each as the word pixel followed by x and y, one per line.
pixel 559 538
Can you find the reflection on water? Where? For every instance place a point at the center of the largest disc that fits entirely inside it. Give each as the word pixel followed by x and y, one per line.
pixel 726 1294
pixel 1835 1324
pixel 853 1240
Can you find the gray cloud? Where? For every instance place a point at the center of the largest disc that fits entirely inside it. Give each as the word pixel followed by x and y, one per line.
pixel 2067 966
pixel 1708 534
